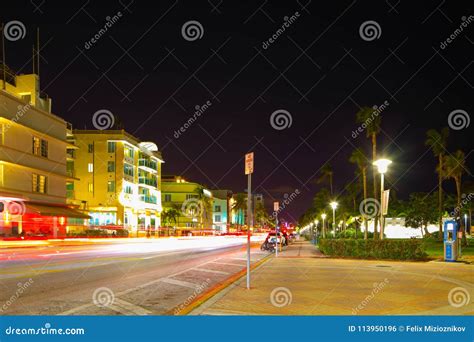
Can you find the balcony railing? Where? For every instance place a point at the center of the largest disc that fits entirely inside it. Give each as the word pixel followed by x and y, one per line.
pixel 147 181
pixel 70 194
pixel 147 163
pixel 70 173
pixel 148 199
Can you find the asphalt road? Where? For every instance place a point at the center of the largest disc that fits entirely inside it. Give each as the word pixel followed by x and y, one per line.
pixel 139 278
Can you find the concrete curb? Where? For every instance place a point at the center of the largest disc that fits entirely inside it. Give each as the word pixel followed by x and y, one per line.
pixel 219 287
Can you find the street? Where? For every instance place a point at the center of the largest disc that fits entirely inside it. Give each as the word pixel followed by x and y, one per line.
pixel 121 278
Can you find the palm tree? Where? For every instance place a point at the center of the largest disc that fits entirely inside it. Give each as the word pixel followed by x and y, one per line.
pixel 326 174
pixel 206 203
pixel 240 205
pixel 359 158
pixel 372 121
pixel 261 215
pixel 437 141
pixel 455 166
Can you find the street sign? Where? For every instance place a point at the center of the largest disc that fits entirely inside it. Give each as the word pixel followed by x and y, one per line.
pixel 276 206
pixel 249 163
pixel 386 195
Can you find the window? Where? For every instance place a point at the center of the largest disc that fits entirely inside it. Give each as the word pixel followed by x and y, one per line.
pixel 217 208
pixel 111 147
pixel 189 196
pixel 128 189
pixel 110 166
pixel 110 186
pixel 128 169
pixel 129 152
pixel 217 218
pixel 90 148
pixel 90 167
pixel 167 197
pixel 91 187
pixel 44 148
pixel 40 147
pixel 39 183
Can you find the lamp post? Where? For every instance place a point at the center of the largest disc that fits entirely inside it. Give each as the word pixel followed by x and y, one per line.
pixel 315 227
pixel 382 166
pixel 333 205
pixel 323 216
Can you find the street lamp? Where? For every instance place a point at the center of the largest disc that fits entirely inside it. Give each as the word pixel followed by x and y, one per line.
pixel 382 166
pixel 333 205
pixel 323 216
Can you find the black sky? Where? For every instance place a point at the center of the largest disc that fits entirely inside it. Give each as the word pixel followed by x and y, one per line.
pixel 151 78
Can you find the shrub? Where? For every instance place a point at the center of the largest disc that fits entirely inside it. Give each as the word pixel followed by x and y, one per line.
pixel 351 234
pixel 397 249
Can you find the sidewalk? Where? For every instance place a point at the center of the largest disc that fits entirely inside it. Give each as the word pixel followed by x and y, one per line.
pixel 302 282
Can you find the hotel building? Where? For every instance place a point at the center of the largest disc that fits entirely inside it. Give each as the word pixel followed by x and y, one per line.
pixel 120 179
pixel 32 162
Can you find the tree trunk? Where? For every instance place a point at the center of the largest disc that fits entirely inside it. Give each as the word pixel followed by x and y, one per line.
pixel 461 221
pixel 440 197
pixel 374 174
pixel 366 223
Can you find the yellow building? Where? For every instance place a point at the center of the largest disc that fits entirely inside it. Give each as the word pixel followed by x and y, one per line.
pixel 32 161
pixel 192 203
pixel 120 180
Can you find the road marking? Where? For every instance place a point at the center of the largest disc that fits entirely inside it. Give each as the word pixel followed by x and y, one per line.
pixel 226 263
pixel 238 258
pixel 210 271
pixel 179 282
pixel 127 308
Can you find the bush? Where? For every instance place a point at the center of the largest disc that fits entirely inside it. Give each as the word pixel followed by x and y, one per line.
pixel 351 234
pixel 397 249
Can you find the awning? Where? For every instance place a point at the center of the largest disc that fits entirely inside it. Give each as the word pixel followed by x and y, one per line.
pixel 54 210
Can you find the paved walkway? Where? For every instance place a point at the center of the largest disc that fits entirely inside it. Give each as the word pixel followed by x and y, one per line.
pixel 299 282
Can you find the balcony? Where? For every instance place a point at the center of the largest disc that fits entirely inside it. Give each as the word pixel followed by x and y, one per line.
pixel 71 154
pixel 147 181
pixel 148 199
pixel 70 194
pixel 150 164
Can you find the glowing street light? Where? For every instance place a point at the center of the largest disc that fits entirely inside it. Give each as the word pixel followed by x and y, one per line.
pixel 323 216
pixel 333 205
pixel 382 167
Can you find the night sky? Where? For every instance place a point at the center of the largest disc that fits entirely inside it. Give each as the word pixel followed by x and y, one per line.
pixel 320 70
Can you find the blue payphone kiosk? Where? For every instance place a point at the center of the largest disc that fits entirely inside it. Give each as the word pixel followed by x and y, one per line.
pixel 450 240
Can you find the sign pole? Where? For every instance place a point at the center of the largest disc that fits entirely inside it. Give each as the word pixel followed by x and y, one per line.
pixel 248 172
pixel 276 207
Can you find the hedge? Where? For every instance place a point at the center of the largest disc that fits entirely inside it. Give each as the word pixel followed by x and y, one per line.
pixel 396 249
